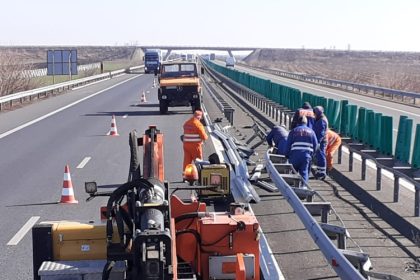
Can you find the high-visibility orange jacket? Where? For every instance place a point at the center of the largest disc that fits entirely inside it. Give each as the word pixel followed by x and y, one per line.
pixel 194 135
pixel 333 142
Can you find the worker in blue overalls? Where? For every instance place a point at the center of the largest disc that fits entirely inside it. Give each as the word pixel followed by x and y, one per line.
pixel 307 111
pixel 320 128
pixel 278 137
pixel 301 144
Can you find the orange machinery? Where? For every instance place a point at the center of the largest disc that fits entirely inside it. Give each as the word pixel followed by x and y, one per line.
pixel 218 245
pixel 155 233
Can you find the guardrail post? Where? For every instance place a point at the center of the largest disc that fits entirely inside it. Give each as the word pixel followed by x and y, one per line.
pixel 350 161
pixel 363 168
pixel 378 178
pixel 417 202
pixel 229 114
pixel 396 187
pixel 339 154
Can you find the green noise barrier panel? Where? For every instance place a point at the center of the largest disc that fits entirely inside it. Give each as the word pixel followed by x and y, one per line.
pixel 361 124
pixel 403 145
pixel 415 160
pixel 351 121
pixel 336 119
pixel 330 109
pixel 343 116
pixel 377 132
pixel 386 136
pixel 369 118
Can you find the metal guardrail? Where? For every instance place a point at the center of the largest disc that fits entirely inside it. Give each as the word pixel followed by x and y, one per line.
pixel 21 96
pixel 342 266
pixel 353 259
pixel 283 115
pixel 349 86
pixel 240 192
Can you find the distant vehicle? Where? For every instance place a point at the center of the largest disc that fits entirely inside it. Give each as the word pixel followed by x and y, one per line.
pixel 179 85
pixel 183 57
pixel 152 61
pixel 212 56
pixel 230 61
pixel 190 57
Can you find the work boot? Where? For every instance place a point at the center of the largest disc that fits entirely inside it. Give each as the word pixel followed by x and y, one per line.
pixel 320 176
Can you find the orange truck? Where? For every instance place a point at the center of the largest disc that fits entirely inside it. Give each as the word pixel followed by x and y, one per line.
pixel 179 85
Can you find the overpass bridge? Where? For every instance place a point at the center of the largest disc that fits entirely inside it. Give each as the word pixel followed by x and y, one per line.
pixel 170 48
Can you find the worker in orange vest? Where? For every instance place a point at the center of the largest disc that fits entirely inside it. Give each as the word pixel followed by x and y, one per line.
pixel 333 142
pixel 193 138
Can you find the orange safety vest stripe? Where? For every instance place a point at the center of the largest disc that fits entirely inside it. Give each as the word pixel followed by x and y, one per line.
pixel 194 131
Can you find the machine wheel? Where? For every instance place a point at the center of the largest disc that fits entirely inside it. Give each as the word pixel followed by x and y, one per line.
pixel 163 107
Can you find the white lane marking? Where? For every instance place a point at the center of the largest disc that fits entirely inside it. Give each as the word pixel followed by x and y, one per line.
pixel 84 162
pixel 125 116
pixel 23 231
pixel 348 97
pixel 97 82
pixel 60 109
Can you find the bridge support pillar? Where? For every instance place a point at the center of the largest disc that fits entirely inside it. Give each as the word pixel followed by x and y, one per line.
pixel 167 54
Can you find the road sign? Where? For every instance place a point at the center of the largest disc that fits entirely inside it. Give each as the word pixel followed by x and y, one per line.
pixel 61 62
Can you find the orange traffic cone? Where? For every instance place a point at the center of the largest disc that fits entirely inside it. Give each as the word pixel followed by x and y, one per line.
pixel 143 98
pixel 67 194
pixel 113 131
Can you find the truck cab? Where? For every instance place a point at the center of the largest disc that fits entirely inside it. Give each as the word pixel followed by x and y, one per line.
pixel 179 85
pixel 152 61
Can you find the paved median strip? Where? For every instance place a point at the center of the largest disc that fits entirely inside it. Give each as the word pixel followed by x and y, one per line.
pixel 23 231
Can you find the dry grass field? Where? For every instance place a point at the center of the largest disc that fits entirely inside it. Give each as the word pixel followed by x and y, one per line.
pixel 15 60
pixel 396 70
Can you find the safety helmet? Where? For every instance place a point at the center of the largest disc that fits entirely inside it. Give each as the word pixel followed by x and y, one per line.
pixel 306 105
pixel 318 110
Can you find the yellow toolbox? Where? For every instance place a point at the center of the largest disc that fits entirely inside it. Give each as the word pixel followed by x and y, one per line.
pixel 217 176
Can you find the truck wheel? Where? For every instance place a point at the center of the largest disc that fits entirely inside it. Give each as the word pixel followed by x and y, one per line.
pixel 163 107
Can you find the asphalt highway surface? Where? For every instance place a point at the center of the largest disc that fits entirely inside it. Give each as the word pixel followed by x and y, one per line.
pixel 38 140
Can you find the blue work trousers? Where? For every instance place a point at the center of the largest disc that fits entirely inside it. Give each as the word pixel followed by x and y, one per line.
pixel 301 163
pixel 321 160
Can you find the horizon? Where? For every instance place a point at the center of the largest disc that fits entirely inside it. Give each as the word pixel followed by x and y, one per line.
pixel 385 26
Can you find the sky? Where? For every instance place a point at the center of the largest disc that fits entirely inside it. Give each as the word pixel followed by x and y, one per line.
pixel 384 25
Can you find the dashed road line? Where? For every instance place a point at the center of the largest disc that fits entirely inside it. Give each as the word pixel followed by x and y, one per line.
pixel 84 162
pixel 23 231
